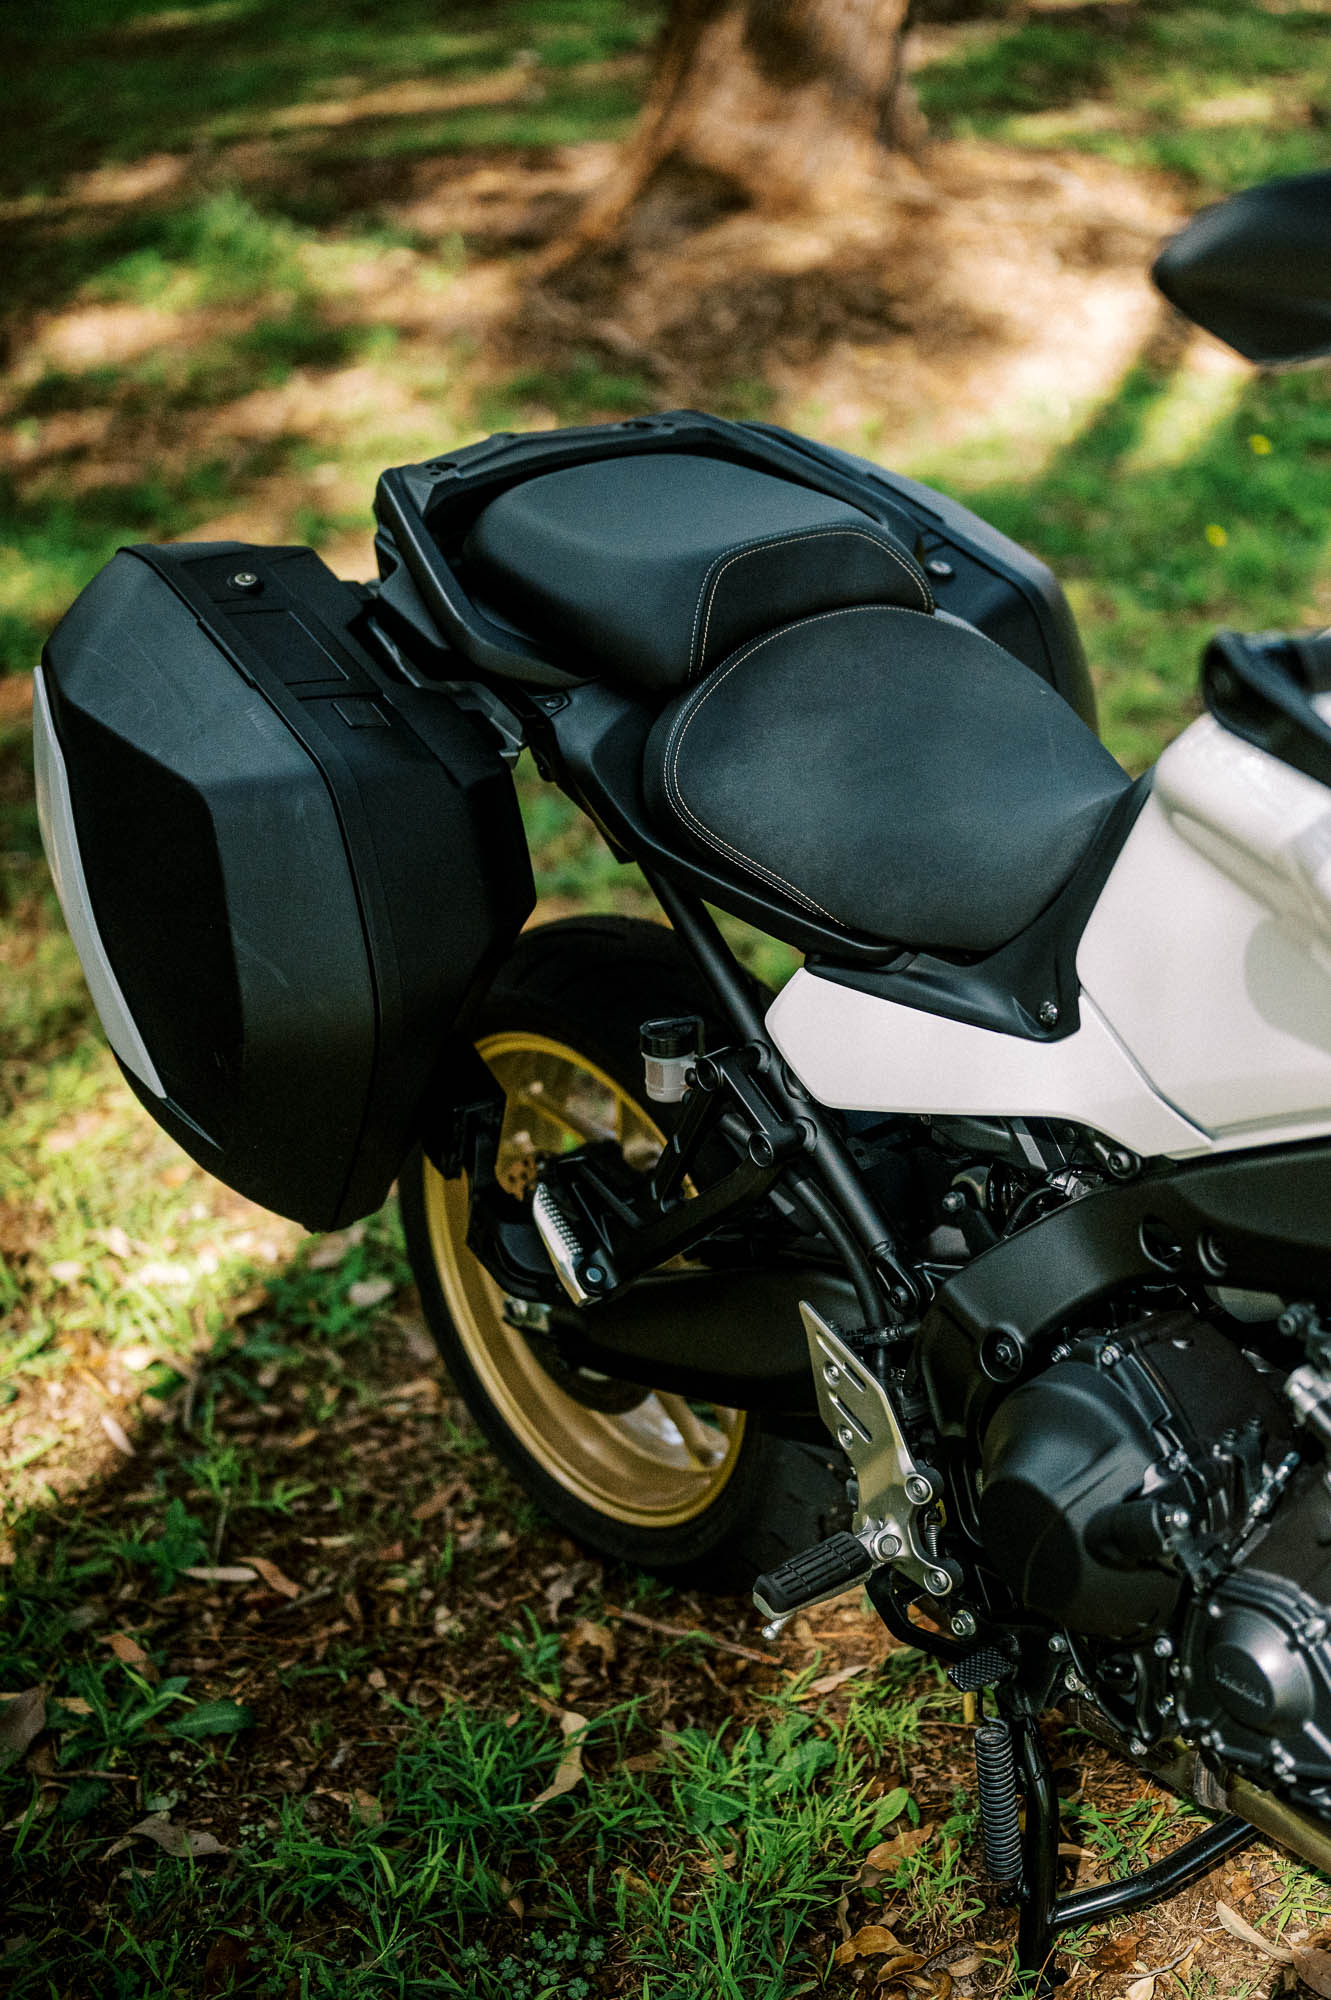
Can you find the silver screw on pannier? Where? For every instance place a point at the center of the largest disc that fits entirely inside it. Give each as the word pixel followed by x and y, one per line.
pixel 244 579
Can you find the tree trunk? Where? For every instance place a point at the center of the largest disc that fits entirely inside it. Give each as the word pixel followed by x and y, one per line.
pixel 786 108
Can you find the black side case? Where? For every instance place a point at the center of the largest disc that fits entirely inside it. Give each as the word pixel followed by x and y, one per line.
pixel 299 870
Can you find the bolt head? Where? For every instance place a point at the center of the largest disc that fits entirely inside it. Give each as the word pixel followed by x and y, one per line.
pixel 1178 1517
pixel 919 1490
pixel 244 579
pixel 937 1582
pixel 1049 1014
pixel 954 1200
pixel 593 1275
pixel 1057 1643
pixel 831 1373
pixel 963 1625
pixel 886 1545
pixel 845 1437
pixel 1163 1647
pixel 1137 1746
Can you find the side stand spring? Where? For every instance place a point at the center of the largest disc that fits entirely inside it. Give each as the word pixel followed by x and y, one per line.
pixel 997 1784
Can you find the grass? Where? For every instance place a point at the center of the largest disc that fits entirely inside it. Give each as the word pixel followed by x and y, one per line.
pixel 1219 96
pixel 233 295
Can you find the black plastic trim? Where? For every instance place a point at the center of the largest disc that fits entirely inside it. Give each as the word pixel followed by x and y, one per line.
pixel 1260 688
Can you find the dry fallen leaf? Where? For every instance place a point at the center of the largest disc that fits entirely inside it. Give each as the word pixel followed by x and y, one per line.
pixel 22 1719
pixel 221 1573
pixel 368 1808
pixel 302 1438
pixel 182 1841
pixel 438 1501
pixel 899 1964
pixel 570 1772
pixel 587 1632
pixel 868 1940
pixel 962 1968
pixel 369 1292
pixel 1313 1967
pixel 118 1435
pixel 273 1576
pixel 832 1681
pixel 1141 1989
pixel 131 1654
pixel 565 1585
pixel 1240 1928
pixel 326 1256
pixel 890 1854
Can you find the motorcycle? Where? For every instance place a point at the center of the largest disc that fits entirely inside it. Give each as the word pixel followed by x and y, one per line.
pixel 987 1265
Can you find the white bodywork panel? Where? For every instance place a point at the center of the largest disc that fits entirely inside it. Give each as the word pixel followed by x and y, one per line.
pixel 861 1053
pixel 1209 951
pixel 1206 983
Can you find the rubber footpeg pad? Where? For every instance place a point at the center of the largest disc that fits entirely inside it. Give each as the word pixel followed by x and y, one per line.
pixel 985 1667
pixel 829 1566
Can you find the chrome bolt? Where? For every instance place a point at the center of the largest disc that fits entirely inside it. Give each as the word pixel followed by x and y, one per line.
pixel 244 579
pixel 1163 1648
pixel 1137 1747
pixel 940 567
pixel 845 1437
pixel 1074 1683
pixel 1110 1353
pixel 1049 1014
pixel 1178 1517
pixel 1215 1609
pixel 885 1545
pixel 919 1490
pixel 954 1200
pixel 937 1582
pixel 831 1373
pixel 963 1625
pixel 1057 1643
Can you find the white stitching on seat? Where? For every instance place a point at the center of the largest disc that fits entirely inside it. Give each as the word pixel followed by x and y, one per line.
pixel 721 563
pixel 693 707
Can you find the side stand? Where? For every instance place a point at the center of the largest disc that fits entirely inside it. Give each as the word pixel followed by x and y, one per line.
pixel 1043 1913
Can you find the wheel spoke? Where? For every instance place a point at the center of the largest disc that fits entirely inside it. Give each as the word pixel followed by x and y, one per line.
pixel 703 1444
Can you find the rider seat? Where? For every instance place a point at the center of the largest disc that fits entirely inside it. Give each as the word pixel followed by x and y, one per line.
pixel 822 728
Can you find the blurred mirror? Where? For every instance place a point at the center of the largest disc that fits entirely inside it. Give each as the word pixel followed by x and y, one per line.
pixel 1256 270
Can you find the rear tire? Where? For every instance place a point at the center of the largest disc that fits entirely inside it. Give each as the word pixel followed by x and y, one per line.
pixel 672 1485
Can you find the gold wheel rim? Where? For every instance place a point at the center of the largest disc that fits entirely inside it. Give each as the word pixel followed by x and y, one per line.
pixel 654 1466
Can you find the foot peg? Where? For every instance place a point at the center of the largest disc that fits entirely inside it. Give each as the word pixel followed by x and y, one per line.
pixel 581 1270
pixel 812 1576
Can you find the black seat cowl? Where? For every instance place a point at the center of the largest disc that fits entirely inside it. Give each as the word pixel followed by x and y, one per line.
pixel 651 568
pixel 899 775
